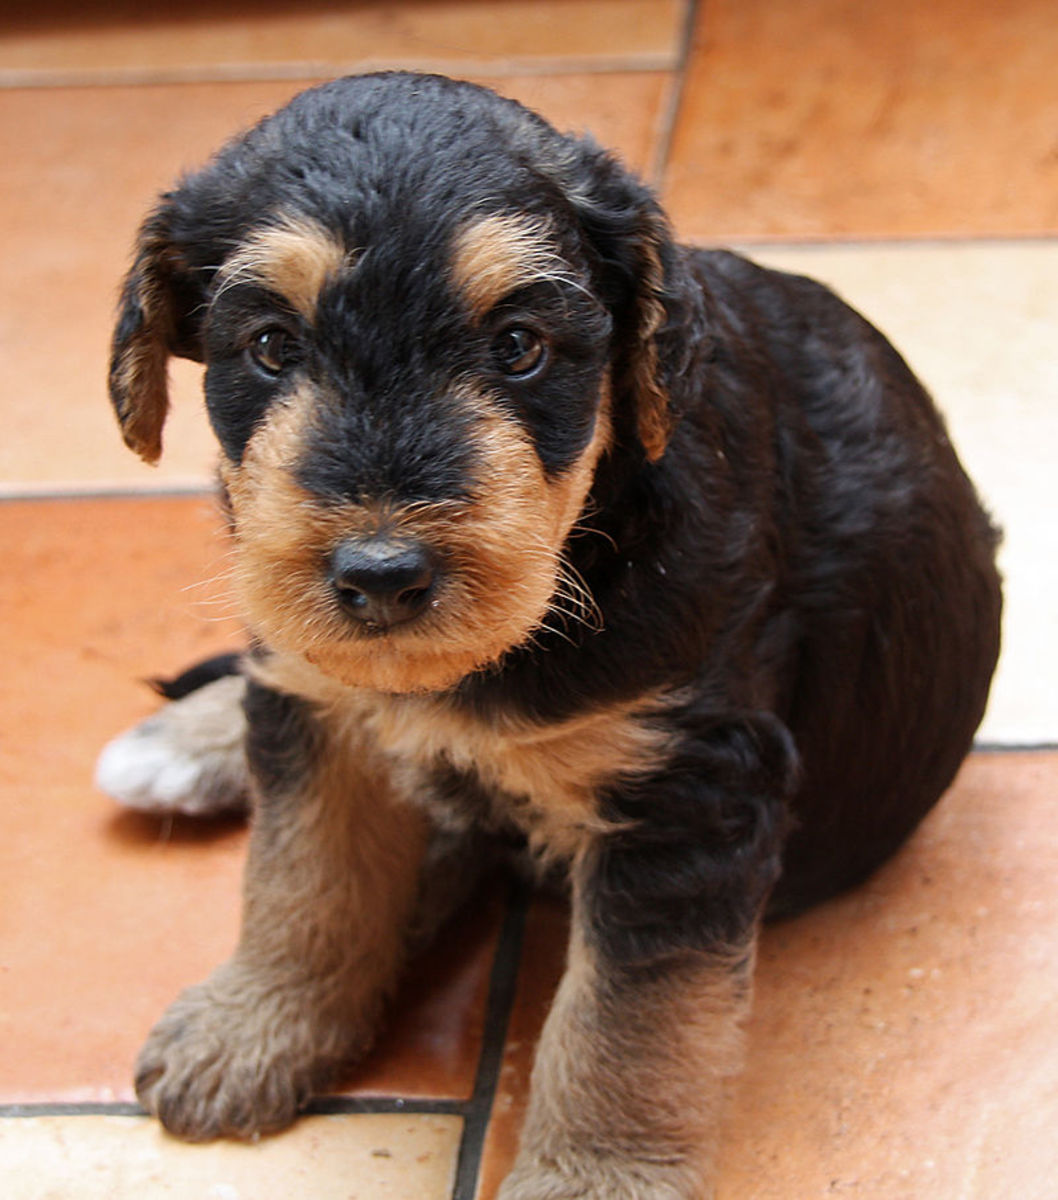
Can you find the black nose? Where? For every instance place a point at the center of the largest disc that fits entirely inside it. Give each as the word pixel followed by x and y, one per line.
pixel 382 582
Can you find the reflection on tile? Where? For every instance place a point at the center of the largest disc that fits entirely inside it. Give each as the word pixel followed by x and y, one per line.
pixel 902 1043
pixel 327 1158
pixel 976 321
pixel 432 1030
pixel 84 166
pixel 118 42
pixel 824 118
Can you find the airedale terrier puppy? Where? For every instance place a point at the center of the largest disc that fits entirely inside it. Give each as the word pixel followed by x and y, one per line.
pixel 544 526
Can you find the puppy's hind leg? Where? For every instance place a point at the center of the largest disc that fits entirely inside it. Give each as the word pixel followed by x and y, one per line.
pixel 187 758
pixel 331 884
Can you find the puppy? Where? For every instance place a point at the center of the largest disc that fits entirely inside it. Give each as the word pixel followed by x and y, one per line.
pixel 543 525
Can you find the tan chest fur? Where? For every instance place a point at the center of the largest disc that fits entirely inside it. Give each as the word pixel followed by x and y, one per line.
pixel 546 777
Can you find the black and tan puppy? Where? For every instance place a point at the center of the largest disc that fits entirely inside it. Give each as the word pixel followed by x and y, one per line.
pixel 542 524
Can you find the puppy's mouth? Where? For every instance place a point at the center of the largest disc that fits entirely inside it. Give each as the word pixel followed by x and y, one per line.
pixel 388 604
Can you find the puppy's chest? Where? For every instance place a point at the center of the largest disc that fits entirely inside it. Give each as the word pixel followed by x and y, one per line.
pixel 543 779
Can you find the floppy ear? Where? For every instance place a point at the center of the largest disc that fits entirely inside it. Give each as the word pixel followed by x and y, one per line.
pixel 640 371
pixel 157 316
pixel 647 286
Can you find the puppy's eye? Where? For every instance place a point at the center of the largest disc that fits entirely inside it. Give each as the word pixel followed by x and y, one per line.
pixel 519 352
pixel 274 351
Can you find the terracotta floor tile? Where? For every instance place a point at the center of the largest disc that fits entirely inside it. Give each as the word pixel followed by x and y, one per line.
pixel 902 1044
pixel 327 1158
pixel 80 168
pixel 976 320
pixel 824 118
pixel 623 112
pixel 105 916
pixel 902 1039
pixel 69 42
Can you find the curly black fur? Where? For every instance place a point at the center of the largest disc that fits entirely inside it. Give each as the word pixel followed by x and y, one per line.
pixel 808 546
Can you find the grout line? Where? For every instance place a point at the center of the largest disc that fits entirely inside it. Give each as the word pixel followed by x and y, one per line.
pixel 336 1106
pixel 934 240
pixel 671 114
pixel 108 492
pixel 502 990
pixel 309 71
pixel 1014 747
pixel 324 1106
pixel 88 1108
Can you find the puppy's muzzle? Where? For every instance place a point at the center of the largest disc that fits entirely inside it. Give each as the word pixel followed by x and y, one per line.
pixel 382 582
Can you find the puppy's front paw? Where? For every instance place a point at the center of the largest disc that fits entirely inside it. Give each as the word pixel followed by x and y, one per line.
pixel 231 1059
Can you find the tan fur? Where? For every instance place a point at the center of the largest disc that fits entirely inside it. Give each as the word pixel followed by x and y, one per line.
pixel 653 418
pixel 293 257
pixel 141 379
pixel 331 885
pixel 502 550
pixel 139 375
pixel 631 1078
pixel 495 255
pixel 550 773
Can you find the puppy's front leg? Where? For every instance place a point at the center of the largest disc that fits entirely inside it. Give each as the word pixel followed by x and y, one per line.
pixel 331 882
pixel 629 1084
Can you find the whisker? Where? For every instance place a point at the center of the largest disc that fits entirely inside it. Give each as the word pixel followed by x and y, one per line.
pixel 585 531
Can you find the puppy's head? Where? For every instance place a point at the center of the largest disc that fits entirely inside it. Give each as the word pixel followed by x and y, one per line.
pixel 425 317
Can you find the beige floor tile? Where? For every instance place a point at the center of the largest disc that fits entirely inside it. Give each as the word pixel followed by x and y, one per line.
pixel 977 321
pixel 117 42
pixel 363 1157
pixel 78 171
pixel 826 118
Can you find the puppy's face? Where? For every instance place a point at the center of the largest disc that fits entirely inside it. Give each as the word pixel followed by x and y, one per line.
pixel 408 371
pixel 408 438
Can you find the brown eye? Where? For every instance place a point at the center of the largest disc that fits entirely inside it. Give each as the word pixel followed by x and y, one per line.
pixel 519 352
pixel 274 350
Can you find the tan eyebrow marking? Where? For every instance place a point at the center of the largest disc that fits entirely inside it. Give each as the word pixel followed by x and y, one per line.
pixel 293 257
pixel 498 254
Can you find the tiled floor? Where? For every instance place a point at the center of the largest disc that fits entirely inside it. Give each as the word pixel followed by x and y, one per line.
pixel 902 1044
